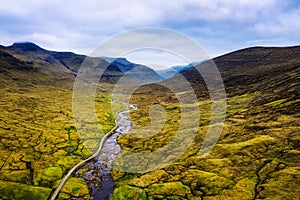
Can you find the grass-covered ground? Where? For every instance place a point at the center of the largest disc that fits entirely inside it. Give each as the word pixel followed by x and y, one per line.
pixel 256 157
pixel 39 142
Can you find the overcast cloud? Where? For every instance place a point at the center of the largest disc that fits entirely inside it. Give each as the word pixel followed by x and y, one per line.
pixel 219 26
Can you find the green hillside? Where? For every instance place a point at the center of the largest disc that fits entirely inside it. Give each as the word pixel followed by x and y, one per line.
pixel 39 142
pixel 257 155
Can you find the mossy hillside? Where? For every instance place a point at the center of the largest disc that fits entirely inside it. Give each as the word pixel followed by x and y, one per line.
pixel 169 189
pixel 105 115
pixel 74 187
pixel 128 192
pixel 12 190
pixel 280 183
pixel 148 179
pixel 48 175
pixel 39 140
pixel 141 119
pixel 255 157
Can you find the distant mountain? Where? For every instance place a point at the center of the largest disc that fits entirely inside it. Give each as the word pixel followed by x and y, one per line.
pixel 52 65
pixel 133 70
pixel 167 73
pixel 122 63
pixel 26 47
pixel 19 66
pixel 56 65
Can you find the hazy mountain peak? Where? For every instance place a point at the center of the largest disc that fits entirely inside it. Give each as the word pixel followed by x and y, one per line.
pixel 110 59
pixel 167 73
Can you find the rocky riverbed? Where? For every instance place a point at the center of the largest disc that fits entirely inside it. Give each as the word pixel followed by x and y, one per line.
pixel 98 171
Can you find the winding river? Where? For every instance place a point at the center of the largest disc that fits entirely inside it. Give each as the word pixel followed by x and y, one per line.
pixel 98 175
pixel 98 166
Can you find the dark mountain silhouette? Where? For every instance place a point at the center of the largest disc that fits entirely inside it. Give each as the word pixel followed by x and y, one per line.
pixel 133 70
pixel 64 65
pixel 26 47
pixel 50 64
pixel 122 63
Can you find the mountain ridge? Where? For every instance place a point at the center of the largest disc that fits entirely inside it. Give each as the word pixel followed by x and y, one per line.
pixel 257 153
pixel 66 64
pixel 242 69
pixel 133 70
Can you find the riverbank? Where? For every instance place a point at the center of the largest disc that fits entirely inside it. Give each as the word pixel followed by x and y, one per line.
pixel 104 161
pixel 98 174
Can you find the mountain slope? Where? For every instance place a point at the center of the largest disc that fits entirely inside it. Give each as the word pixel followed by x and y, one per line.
pixel 16 71
pixel 242 71
pixel 38 139
pixel 135 71
pixel 39 142
pixel 257 155
pixel 59 65
pixel 64 64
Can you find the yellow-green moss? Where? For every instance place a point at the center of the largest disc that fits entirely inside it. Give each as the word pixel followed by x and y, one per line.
pixel 47 176
pixel 275 103
pixel 283 184
pixel 17 191
pixel 128 192
pixel 147 179
pixel 172 188
pixel 210 183
pixel 75 187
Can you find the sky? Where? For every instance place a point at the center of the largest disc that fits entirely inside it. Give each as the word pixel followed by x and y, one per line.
pixel 219 26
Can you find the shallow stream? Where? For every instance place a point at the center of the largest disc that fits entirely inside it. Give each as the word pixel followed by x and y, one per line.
pixel 98 175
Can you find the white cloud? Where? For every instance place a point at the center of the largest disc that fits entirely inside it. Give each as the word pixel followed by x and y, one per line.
pixel 283 25
pixel 79 25
pixel 156 59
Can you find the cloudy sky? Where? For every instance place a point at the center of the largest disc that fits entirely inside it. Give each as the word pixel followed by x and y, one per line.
pixel 219 26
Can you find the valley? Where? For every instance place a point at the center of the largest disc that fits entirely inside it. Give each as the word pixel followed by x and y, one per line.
pixel 256 157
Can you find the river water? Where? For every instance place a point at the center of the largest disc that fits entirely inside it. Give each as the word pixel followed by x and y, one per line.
pixel 98 175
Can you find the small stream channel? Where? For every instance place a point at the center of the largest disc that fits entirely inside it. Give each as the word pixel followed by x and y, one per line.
pixel 98 175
